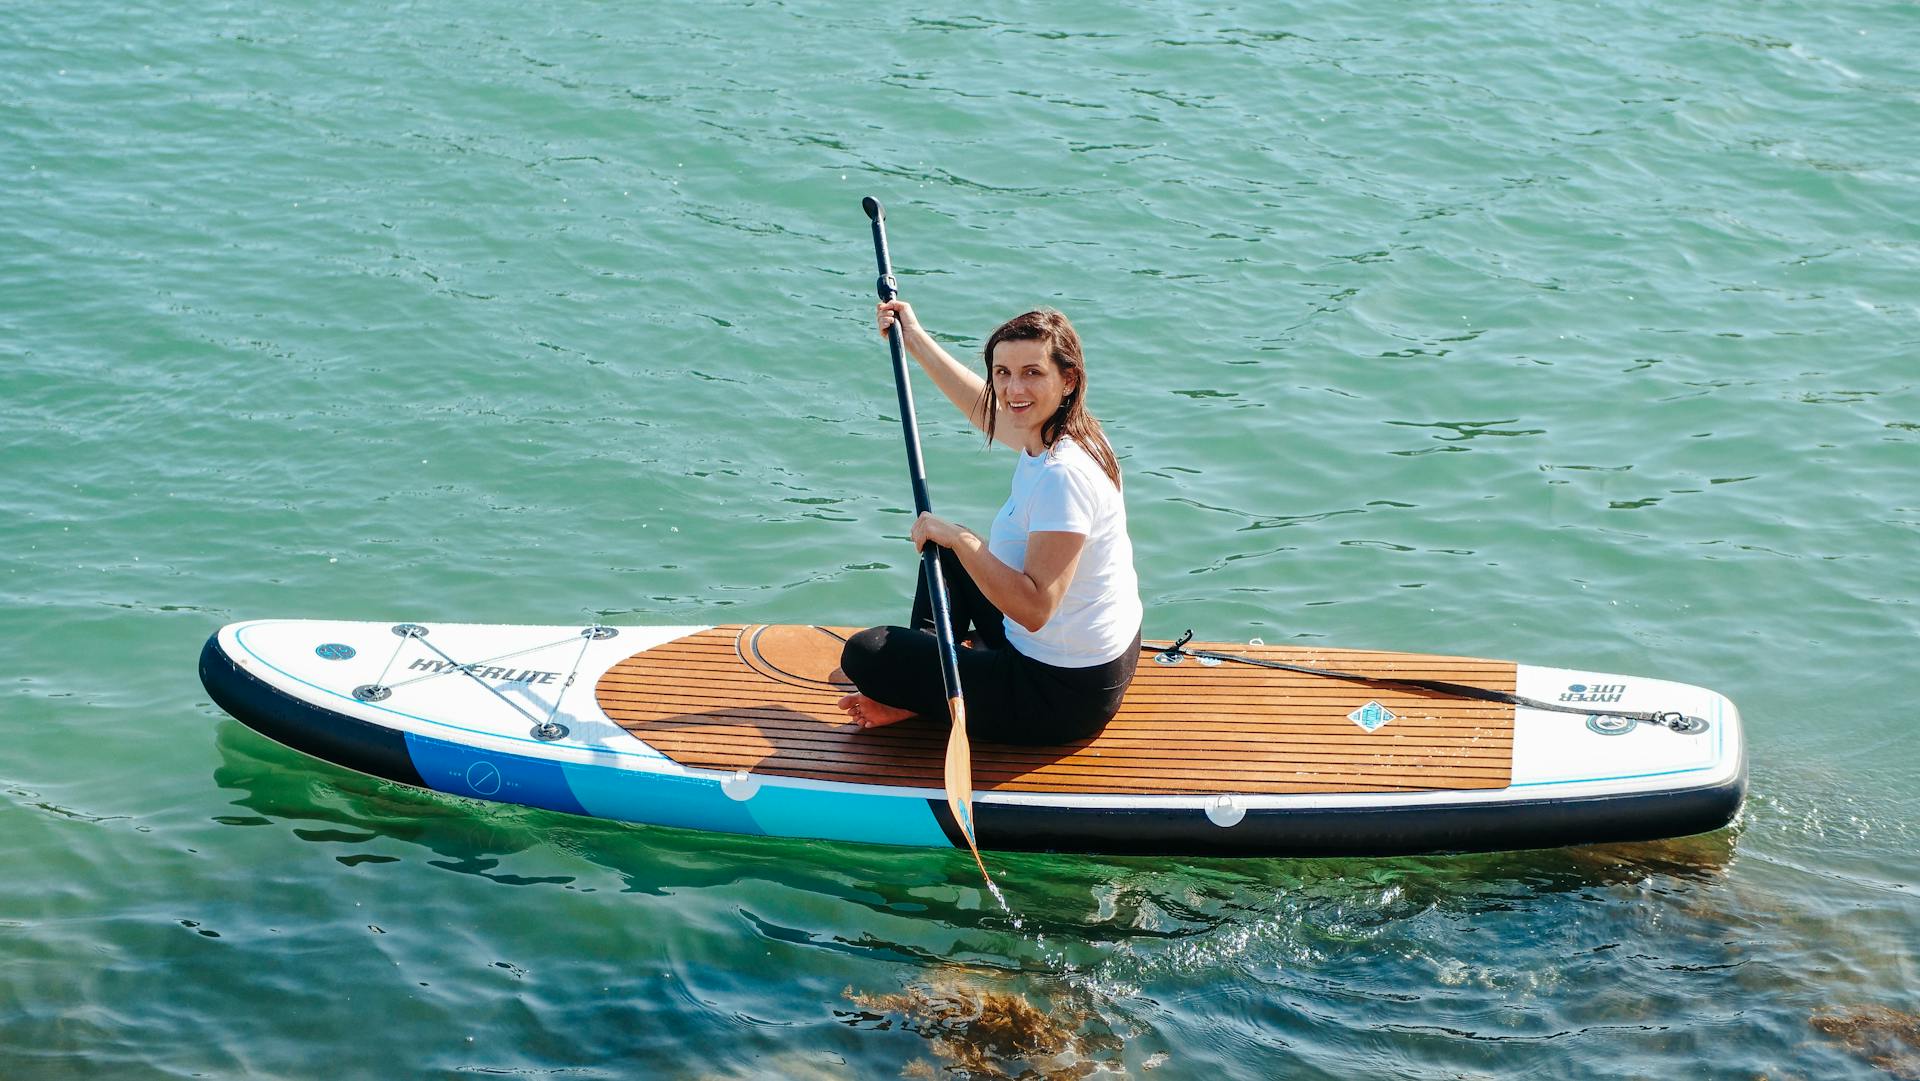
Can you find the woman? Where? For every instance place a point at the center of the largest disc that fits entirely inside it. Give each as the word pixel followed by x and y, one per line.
pixel 1049 596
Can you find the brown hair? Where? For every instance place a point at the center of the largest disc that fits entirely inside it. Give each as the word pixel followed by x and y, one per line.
pixel 1073 418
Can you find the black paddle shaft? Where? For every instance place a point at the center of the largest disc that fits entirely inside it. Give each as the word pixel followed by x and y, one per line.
pixel 888 288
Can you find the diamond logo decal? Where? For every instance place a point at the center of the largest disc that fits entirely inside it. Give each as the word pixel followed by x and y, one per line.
pixel 1371 716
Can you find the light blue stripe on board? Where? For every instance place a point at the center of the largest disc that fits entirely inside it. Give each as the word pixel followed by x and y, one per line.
pixel 665 800
pixel 847 816
pixel 776 811
pixel 688 802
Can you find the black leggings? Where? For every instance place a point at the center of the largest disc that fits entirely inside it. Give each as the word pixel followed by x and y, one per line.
pixel 1011 698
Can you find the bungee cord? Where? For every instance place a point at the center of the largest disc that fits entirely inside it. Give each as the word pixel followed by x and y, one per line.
pixel 1671 720
pixel 546 729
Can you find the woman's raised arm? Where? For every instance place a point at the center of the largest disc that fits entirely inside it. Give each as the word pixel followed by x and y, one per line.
pixel 963 386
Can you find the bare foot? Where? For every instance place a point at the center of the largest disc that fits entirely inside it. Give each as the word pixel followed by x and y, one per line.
pixel 868 713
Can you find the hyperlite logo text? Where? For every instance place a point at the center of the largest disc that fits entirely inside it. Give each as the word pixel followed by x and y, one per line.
pixel 498 675
pixel 1594 692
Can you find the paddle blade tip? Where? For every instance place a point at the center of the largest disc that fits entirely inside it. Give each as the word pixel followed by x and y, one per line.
pixel 873 208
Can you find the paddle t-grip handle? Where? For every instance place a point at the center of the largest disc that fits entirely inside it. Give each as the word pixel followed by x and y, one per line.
pixel 886 286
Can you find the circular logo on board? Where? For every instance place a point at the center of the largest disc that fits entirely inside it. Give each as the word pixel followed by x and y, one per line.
pixel 484 778
pixel 335 651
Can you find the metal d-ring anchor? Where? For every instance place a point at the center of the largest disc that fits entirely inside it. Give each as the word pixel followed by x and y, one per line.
pixel 409 630
pixel 372 692
pixel 1173 654
pixel 1683 724
pixel 549 730
pixel 599 632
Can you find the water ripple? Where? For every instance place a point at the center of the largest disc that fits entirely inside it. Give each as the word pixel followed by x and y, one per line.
pixel 1575 335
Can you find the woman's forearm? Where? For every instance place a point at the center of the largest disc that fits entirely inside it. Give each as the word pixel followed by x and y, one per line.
pixel 962 385
pixel 1026 598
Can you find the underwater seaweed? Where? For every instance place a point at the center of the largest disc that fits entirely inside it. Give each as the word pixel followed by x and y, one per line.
pixel 1885 1037
pixel 984 1032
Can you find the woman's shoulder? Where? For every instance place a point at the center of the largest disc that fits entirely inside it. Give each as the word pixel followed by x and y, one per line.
pixel 1071 460
pixel 1067 451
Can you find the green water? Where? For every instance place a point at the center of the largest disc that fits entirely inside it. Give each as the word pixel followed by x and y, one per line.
pixel 1579 334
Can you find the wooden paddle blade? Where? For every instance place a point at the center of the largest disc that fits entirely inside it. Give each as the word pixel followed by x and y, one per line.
pixel 960 780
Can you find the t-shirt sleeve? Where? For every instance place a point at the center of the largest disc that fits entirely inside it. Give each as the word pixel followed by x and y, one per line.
pixel 1063 501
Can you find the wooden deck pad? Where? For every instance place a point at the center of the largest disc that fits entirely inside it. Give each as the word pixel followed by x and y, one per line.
pixel 757 698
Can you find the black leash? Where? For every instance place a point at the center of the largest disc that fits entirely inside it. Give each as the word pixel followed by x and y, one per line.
pixel 1669 719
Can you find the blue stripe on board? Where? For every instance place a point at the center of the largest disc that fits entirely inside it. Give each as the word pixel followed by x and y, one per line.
pixel 508 778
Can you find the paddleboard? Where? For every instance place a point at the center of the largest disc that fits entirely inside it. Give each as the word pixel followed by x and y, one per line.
pixel 733 728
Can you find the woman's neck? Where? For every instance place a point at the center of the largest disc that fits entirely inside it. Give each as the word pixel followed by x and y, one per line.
pixel 1037 445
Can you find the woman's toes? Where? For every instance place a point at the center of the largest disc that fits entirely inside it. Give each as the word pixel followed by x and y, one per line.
pixel 868 713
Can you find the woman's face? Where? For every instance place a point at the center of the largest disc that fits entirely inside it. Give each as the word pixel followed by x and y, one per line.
pixel 1027 386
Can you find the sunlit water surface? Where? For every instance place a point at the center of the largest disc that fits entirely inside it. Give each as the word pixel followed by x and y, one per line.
pixel 1581 335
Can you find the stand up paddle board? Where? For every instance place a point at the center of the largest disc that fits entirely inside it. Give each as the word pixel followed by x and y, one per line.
pixel 1217 750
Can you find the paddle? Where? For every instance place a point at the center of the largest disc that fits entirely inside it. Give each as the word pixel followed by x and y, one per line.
pixel 959 756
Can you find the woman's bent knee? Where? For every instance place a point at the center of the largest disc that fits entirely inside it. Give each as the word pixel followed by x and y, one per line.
pixel 861 651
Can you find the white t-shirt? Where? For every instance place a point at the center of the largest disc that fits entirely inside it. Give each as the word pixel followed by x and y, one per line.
pixel 1064 490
